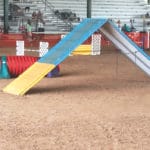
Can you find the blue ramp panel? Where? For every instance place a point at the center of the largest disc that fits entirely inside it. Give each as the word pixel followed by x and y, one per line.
pixel 78 35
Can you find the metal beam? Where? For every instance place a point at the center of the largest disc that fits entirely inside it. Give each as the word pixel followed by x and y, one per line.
pixel 6 25
pixel 89 8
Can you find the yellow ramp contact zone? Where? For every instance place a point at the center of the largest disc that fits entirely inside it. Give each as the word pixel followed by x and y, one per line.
pixel 28 79
pixel 83 50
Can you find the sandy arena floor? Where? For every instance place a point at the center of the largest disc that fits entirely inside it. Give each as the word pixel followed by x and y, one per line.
pixel 97 103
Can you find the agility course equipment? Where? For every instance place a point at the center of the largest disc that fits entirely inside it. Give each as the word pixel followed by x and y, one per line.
pixel 18 64
pixel 93 48
pixel 4 73
pixel 13 66
pixel 64 48
pixel 20 49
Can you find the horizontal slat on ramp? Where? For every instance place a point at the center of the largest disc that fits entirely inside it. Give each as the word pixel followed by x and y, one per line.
pixel 28 79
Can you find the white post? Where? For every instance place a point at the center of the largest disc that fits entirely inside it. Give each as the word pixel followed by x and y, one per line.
pixel 96 44
pixel 20 48
pixel 43 48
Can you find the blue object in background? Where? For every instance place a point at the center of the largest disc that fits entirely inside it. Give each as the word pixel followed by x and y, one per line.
pixel 54 72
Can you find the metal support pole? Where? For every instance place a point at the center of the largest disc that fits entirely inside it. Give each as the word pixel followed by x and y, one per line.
pixel 6 26
pixel 89 8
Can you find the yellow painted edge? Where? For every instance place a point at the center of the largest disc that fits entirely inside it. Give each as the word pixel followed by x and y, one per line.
pixel 45 69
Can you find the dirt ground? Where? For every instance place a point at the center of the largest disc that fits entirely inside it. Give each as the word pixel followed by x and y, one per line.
pixel 97 103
